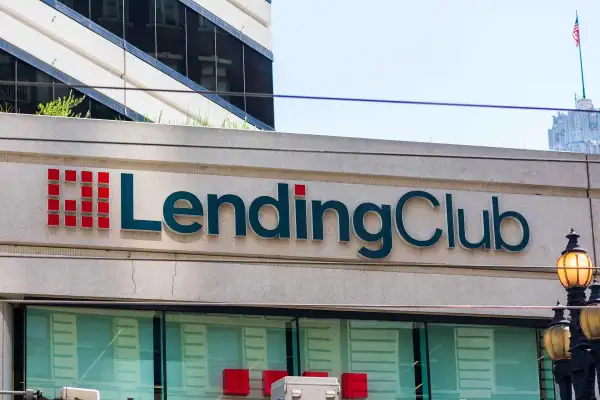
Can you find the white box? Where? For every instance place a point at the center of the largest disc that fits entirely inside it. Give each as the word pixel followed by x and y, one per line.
pixel 305 388
pixel 70 393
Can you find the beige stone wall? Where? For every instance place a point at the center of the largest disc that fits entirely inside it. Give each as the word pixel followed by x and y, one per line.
pixel 551 190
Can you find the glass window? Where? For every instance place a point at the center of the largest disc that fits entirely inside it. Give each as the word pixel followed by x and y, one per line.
pixel 206 344
pixel 80 6
pixel 174 354
pixel 276 349
pixel 170 34
pixel 8 92
pixel 109 15
pixel 29 97
pixel 98 349
pixel 483 362
pixel 259 79
pixel 147 351
pixel 101 111
pixel 39 353
pixel 201 50
pixel 140 25
pixel 385 351
pixel 95 353
pixel 230 70
pixel 224 351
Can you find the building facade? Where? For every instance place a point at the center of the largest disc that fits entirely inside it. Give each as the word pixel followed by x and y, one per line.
pixel 113 51
pixel 576 131
pixel 247 255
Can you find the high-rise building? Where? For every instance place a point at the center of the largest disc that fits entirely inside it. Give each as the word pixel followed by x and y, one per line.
pixel 576 131
pixel 175 45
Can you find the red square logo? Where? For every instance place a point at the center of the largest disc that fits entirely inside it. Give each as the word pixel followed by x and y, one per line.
pixel 236 382
pixel 71 221
pixel 86 207
pixel 67 214
pixel 86 176
pixel 103 207
pixel 300 190
pixel 87 221
pixel 103 192
pixel 53 175
pixel 87 192
pixel 103 222
pixel 70 175
pixel 53 220
pixel 53 189
pixel 270 377
pixel 354 386
pixel 71 205
pixel 103 178
pixel 53 205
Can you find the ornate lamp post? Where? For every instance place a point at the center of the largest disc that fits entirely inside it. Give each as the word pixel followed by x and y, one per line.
pixel 574 345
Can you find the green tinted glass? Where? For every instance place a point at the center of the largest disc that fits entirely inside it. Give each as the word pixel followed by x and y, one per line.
pixel 105 350
pixel 468 362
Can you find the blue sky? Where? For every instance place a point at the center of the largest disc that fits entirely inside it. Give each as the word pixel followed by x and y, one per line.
pixel 501 52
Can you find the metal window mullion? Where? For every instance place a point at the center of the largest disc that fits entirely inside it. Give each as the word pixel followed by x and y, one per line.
pixel 185 32
pixel 244 73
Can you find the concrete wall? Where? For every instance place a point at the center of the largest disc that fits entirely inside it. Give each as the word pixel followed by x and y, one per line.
pixel 549 189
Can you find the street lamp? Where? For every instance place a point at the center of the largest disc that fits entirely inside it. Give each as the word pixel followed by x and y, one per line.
pixel 575 366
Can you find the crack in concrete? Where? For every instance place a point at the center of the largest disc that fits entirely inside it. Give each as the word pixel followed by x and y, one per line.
pixel 173 280
pixel 133 277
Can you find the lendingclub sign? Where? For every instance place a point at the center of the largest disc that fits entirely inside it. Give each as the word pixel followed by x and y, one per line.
pixel 299 216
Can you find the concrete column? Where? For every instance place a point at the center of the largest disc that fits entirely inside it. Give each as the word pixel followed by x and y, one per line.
pixel 6 349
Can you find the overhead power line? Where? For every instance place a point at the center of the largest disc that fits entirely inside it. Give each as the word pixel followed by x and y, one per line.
pixel 302 97
pixel 281 305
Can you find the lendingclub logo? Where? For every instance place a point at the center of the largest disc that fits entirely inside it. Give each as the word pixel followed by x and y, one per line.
pixel 80 199
pixel 77 199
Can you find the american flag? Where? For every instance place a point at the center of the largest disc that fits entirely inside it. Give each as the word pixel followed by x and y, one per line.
pixel 576 31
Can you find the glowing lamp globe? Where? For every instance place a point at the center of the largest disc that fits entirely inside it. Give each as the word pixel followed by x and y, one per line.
pixel 574 267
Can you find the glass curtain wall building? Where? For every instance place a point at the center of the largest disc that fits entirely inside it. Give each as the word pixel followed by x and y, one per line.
pixel 24 99
pixel 190 45
pixel 153 354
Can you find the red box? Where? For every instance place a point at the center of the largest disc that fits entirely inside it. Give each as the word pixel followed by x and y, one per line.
pixel 103 222
pixel 316 374
pixel 53 205
pixel 354 386
pixel 270 377
pixel 86 192
pixel 70 175
pixel 236 382
pixel 103 207
pixel 53 175
pixel 71 205
pixel 71 221
pixel 86 177
pixel 300 190
pixel 87 221
pixel 53 189
pixel 86 207
pixel 103 178
pixel 103 192
pixel 53 220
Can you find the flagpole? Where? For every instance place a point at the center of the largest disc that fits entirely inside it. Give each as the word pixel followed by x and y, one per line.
pixel 580 58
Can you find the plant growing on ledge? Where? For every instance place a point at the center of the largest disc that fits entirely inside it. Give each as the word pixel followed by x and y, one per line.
pixel 62 107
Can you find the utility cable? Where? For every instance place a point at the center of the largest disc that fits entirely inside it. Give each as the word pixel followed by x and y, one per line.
pixel 301 97
pixel 281 305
